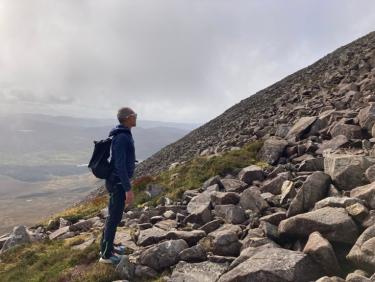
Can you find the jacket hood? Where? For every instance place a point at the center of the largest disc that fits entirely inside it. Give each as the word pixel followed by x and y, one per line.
pixel 119 128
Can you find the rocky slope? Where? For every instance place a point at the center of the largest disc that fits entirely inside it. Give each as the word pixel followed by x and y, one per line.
pixel 308 216
pixel 307 92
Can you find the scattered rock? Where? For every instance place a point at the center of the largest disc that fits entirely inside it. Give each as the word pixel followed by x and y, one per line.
pixel 231 213
pixel 163 255
pixel 275 264
pixel 198 272
pixel 333 223
pixel 322 252
pixel 362 254
pixel 313 189
pixel 18 236
pixel 365 193
pixel 252 200
pixel 250 174
pixel 272 150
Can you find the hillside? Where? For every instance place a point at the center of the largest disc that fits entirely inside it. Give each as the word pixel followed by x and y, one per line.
pixel 305 92
pixel 280 187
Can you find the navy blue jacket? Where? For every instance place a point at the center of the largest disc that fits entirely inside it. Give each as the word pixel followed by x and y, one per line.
pixel 123 154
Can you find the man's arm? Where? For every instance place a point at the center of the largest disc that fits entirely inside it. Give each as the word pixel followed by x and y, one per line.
pixel 119 149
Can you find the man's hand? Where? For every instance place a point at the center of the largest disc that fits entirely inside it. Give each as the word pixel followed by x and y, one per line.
pixel 129 197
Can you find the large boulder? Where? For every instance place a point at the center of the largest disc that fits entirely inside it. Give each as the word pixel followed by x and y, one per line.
pixel 198 272
pixel 322 252
pixel 252 200
pixel 333 223
pixel 332 144
pixel 18 236
pixel 365 193
pixel 362 254
pixel 223 242
pixel 231 213
pixel 233 185
pixel 350 131
pixel 151 236
pixel 313 189
pixel 336 202
pixel 199 209
pixel 274 264
pixel 274 185
pixel 163 255
pixel 224 198
pixel 272 150
pixel 301 127
pixel 250 174
pixel 347 171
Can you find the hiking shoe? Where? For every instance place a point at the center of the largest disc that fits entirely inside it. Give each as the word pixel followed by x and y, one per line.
pixel 113 259
pixel 120 250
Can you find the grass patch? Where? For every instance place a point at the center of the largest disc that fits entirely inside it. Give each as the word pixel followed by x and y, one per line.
pixel 54 261
pixel 82 211
pixel 192 174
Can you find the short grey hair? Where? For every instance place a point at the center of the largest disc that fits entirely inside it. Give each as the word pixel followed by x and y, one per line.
pixel 124 113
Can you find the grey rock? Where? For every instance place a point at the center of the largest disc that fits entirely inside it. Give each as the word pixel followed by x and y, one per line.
pixel 346 170
pixel 366 117
pixel 272 150
pixel 250 174
pixel 350 131
pixel 301 127
pixel 251 199
pixel 362 254
pixel 199 209
pixel 274 218
pixel 143 271
pixel 18 236
pixel 333 223
pixel 193 254
pixel 274 185
pixel 59 232
pixel 223 242
pixel 322 252
pixel 212 225
pixel 275 264
pixel 198 272
pixel 233 185
pixel 336 202
pixel 163 255
pixel 230 213
pixel 365 193
pixel 332 144
pixel 313 189
pixel 151 236
pixel 125 268
pixel 370 173
pixel 224 198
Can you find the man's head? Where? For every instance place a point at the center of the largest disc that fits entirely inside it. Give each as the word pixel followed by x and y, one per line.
pixel 127 117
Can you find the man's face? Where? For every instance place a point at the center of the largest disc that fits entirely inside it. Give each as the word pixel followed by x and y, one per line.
pixel 132 118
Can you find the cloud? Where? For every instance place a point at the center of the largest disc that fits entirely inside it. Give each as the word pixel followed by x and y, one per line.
pixel 169 60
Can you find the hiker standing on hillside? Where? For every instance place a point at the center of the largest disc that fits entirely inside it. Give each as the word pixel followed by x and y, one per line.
pixel 118 183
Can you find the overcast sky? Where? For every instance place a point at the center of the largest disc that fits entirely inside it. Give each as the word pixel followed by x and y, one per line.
pixel 183 61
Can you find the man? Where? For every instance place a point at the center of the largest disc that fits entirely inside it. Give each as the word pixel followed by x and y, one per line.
pixel 118 183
